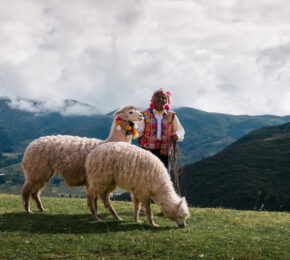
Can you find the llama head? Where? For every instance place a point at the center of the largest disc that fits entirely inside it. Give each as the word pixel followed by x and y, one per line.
pixel 129 113
pixel 177 212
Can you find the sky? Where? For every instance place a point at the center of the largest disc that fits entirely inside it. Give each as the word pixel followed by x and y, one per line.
pixel 226 56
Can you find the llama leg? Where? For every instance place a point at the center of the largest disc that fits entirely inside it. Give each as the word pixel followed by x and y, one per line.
pixel 137 205
pixel 35 182
pixel 26 191
pixel 106 199
pixel 92 203
pixel 146 204
pixel 96 205
pixel 36 197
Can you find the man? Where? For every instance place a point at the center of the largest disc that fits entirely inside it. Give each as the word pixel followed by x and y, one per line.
pixel 161 127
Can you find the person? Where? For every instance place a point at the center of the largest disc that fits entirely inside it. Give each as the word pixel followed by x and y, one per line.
pixel 160 127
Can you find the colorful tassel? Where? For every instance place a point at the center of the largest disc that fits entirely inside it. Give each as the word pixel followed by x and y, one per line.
pixel 118 121
pixel 152 105
pixel 135 133
pixel 166 107
pixel 128 128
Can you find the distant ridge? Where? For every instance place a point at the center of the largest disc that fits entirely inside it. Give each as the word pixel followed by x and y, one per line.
pixel 206 133
pixel 252 173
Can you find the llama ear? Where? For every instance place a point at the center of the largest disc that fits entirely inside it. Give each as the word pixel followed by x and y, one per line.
pixel 182 208
pixel 118 112
pixel 183 200
pixel 182 203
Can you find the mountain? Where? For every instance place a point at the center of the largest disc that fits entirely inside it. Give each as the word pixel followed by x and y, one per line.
pixel 19 127
pixel 206 133
pixel 251 173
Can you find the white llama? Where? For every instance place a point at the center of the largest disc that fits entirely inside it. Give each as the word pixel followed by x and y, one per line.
pixel 136 170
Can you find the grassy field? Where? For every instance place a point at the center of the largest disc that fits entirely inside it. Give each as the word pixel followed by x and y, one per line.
pixel 51 190
pixel 68 232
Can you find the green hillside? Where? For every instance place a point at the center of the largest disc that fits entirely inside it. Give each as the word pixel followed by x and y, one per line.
pixel 252 173
pixel 68 232
pixel 208 133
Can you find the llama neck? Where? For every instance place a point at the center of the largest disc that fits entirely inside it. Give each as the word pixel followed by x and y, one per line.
pixel 119 135
pixel 167 193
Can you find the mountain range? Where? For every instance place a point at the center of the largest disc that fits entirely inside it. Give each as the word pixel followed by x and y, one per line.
pixel 206 133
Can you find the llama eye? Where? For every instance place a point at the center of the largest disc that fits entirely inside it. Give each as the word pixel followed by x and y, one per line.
pixel 130 112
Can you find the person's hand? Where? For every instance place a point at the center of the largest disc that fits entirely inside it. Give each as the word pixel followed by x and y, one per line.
pixel 173 139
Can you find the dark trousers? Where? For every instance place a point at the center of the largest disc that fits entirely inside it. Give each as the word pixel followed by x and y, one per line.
pixel 162 157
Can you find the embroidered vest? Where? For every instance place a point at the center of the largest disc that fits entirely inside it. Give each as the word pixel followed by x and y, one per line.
pixel 149 138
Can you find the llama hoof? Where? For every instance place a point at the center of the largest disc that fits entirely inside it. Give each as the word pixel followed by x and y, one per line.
pixel 139 221
pixel 155 225
pixel 119 219
pixel 44 210
pixel 97 218
pixel 29 212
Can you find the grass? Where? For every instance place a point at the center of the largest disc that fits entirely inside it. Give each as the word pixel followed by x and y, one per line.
pixel 51 190
pixel 68 232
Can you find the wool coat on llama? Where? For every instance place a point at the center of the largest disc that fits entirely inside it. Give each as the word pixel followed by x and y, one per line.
pixel 66 155
pixel 132 169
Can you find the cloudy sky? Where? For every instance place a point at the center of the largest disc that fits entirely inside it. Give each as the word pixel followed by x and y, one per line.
pixel 229 56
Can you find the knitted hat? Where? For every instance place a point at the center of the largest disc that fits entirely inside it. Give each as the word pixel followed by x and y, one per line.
pixel 163 91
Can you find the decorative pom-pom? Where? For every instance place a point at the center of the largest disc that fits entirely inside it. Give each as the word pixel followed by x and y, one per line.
pixel 128 128
pixel 128 132
pixel 168 93
pixel 118 121
pixel 166 107
pixel 152 105
pixel 119 128
pixel 135 133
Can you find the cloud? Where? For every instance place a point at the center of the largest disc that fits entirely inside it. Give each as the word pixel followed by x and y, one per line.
pixel 223 56
pixel 64 107
pixel 274 59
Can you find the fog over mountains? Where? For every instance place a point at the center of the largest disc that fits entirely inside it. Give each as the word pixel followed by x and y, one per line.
pixel 67 107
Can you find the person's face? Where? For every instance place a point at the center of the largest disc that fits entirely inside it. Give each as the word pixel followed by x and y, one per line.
pixel 160 100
